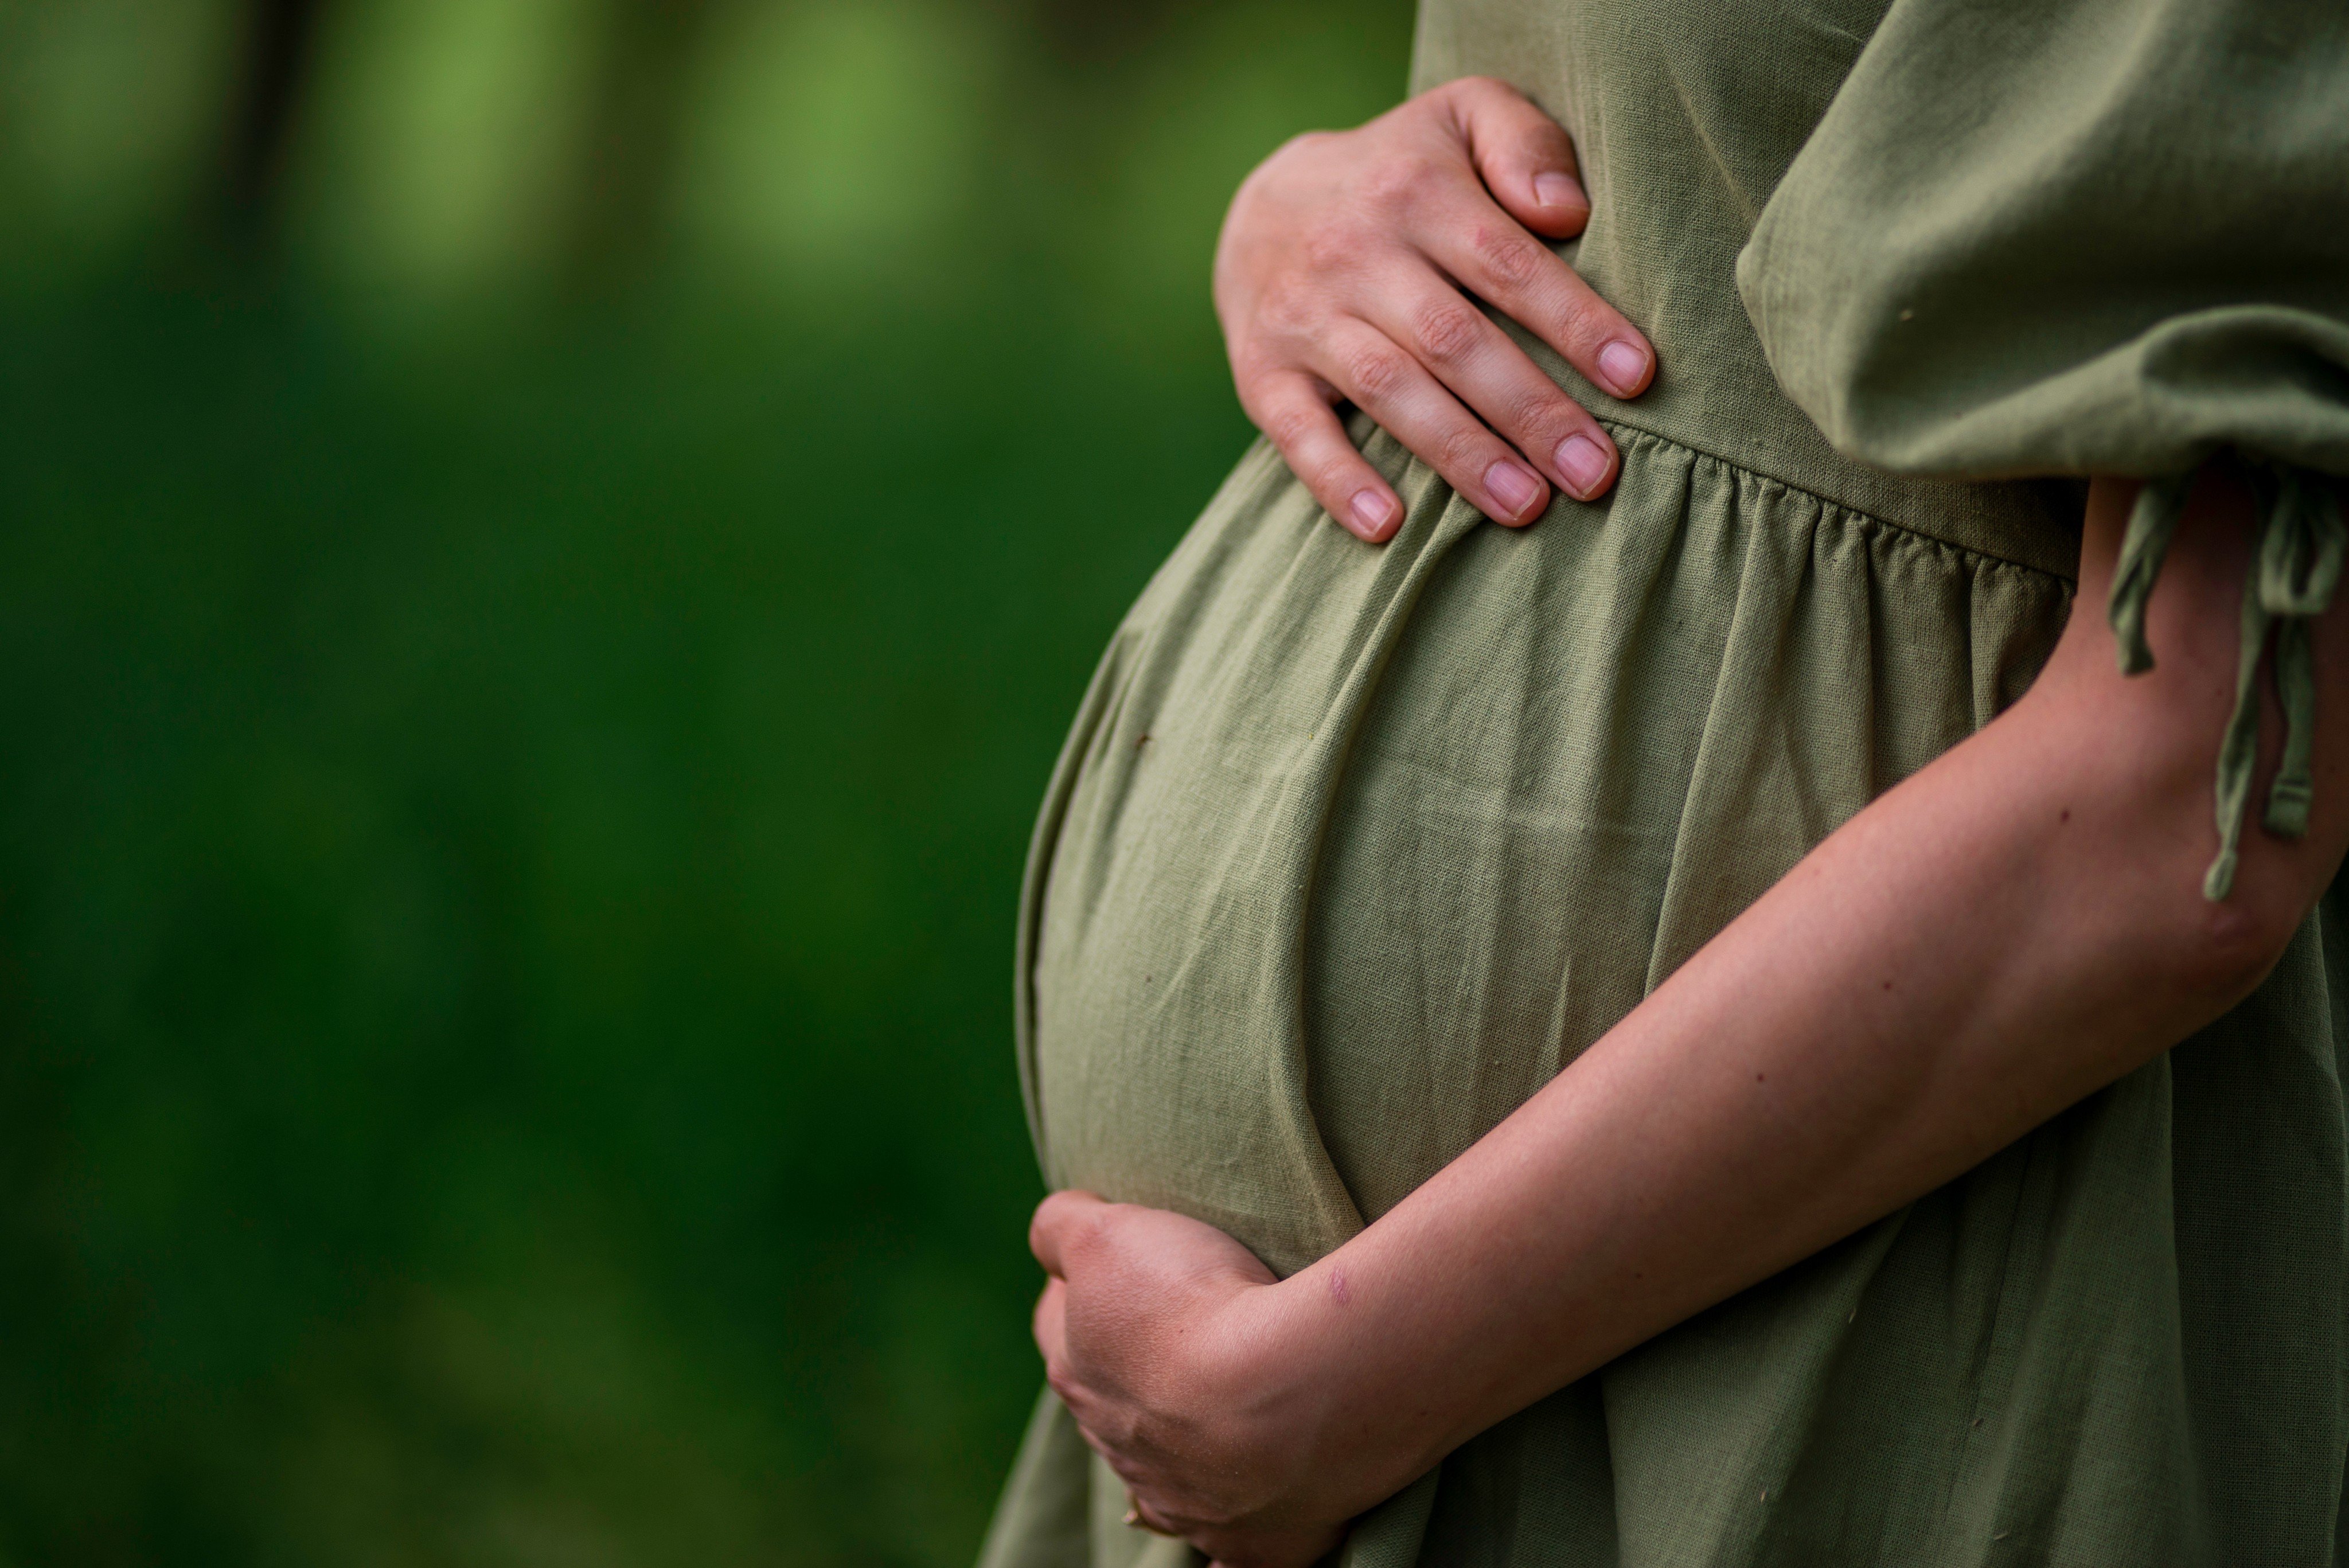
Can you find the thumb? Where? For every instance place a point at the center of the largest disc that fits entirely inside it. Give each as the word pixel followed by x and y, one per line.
pixel 1525 158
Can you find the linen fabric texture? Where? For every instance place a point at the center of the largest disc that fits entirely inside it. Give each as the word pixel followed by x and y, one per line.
pixel 1351 849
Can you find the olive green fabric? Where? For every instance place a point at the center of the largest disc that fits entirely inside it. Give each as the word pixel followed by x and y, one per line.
pixel 2074 236
pixel 1351 849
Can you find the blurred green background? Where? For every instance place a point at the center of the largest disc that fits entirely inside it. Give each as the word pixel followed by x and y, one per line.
pixel 548 547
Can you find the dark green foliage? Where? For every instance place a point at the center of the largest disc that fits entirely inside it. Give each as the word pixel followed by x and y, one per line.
pixel 506 881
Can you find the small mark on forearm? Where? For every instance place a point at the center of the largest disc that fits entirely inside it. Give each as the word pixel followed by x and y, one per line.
pixel 1338 1291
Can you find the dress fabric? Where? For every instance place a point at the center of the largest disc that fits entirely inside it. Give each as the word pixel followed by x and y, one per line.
pixel 1351 849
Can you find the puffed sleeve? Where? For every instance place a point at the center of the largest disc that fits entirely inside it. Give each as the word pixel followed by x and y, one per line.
pixel 2092 237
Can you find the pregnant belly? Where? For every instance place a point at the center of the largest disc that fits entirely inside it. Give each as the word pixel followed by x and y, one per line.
pixel 1353 849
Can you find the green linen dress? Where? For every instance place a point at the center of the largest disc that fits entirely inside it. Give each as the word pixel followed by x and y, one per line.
pixel 1353 849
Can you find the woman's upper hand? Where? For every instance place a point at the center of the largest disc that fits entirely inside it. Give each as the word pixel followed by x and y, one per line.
pixel 1340 277
pixel 1163 1336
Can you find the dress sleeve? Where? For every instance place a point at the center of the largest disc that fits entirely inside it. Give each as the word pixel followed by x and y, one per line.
pixel 2036 237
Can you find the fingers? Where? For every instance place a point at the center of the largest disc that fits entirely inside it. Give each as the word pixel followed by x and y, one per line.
pixel 1493 258
pixel 1050 1327
pixel 1525 158
pixel 1398 391
pixel 1293 409
pixel 1484 368
pixel 1056 1222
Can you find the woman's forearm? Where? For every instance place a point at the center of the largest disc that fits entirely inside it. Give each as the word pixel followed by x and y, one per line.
pixel 2016 926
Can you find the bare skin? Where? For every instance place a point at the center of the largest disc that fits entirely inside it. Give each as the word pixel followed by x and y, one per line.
pixel 1340 277
pixel 2016 926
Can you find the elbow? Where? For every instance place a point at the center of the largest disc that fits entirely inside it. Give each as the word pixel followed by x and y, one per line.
pixel 2131 838
pixel 2221 949
pixel 2165 799
pixel 2155 794
pixel 2170 945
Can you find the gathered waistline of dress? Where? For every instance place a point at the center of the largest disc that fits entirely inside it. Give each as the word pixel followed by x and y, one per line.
pixel 1984 519
pixel 1734 413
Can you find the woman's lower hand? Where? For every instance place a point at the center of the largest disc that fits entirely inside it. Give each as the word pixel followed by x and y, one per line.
pixel 1163 1336
pixel 1339 276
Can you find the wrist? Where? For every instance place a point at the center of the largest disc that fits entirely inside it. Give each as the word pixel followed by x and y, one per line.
pixel 1320 1369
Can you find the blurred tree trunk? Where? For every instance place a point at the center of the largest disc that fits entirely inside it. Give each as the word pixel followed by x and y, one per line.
pixel 280 38
pixel 637 111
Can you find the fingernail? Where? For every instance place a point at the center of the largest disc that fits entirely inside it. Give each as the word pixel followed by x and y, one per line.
pixel 1555 189
pixel 1622 364
pixel 1372 509
pixel 1583 462
pixel 1514 487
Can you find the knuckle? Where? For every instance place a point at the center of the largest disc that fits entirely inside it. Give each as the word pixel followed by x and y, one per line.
pixel 1325 250
pixel 1376 373
pixel 1292 309
pixel 1328 245
pixel 1507 258
pixel 1579 321
pixel 1542 411
pixel 1290 425
pixel 1397 183
pixel 1447 330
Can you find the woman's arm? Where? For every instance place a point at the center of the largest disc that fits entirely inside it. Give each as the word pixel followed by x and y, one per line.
pixel 2016 926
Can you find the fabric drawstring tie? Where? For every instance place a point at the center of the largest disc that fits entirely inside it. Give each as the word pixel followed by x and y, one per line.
pixel 2301 543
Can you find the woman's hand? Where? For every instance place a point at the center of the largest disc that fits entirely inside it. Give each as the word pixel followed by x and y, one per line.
pixel 1163 1336
pixel 1340 277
